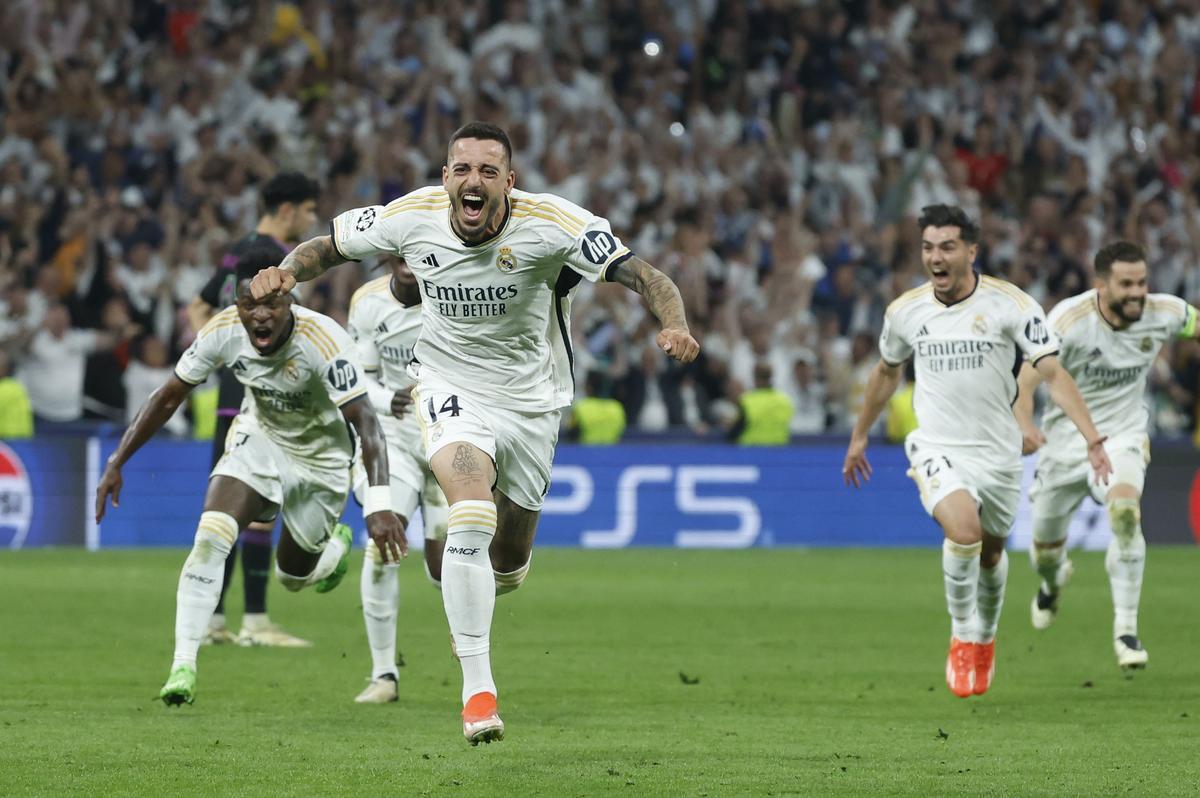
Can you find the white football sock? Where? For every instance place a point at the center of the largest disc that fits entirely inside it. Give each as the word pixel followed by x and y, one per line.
pixel 255 621
pixel 1047 561
pixel 380 591
pixel 960 571
pixel 991 597
pixel 200 583
pixel 469 591
pixel 1126 564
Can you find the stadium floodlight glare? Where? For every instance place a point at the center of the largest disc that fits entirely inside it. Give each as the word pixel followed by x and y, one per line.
pixel 676 129
pixel 652 47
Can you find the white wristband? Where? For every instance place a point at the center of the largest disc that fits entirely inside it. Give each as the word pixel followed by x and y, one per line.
pixel 377 500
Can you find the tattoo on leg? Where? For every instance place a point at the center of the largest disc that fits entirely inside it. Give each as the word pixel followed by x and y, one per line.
pixel 465 463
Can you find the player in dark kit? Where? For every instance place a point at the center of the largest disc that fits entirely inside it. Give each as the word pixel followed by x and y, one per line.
pixel 289 202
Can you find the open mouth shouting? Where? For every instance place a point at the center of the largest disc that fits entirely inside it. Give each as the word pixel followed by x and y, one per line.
pixel 262 335
pixel 473 203
pixel 940 277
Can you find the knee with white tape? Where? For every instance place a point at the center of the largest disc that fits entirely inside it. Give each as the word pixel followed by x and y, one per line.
pixel 1125 517
pixel 507 582
pixel 292 583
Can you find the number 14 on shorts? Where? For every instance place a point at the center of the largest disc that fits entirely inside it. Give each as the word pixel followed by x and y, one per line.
pixel 449 406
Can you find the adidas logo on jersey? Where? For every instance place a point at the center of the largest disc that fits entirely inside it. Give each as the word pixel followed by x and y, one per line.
pixel 238 367
pixel 1095 353
pixel 921 333
pixel 382 328
pixel 431 261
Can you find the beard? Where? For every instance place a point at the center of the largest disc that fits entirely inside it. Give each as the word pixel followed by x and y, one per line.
pixel 1128 311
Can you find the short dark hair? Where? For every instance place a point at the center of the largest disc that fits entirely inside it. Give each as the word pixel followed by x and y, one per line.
pixel 257 258
pixel 949 216
pixel 1124 251
pixel 485 131
pixel 293 187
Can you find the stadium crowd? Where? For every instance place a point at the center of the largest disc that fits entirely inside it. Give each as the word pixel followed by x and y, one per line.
pixel 769 155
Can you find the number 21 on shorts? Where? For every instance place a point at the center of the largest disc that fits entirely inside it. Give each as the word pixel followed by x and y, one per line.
pixel 934 464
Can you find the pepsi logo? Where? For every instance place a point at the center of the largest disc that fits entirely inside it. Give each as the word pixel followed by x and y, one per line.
pixel 16 499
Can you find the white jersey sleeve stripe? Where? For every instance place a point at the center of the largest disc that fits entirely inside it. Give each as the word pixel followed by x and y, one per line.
pixel 435 205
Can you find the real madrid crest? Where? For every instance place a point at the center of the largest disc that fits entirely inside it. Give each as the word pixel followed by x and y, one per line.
pixel 505 261
pixel 291 371
pixel 1146 344
pixel 979 325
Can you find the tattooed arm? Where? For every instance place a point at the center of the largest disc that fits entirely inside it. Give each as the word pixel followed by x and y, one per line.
pixel 306 262
pixel 662 296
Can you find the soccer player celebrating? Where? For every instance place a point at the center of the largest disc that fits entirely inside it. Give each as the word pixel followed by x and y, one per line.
pixel 385 319
pixel 497 268
pixel 1108 339
pixel 291 453
pixel 965 333
pixel 289 211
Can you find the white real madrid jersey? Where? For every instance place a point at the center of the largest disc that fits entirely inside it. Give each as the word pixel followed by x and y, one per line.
pixel 1109 365
pixel 296 391
pixel 385 333
pixel 966 356
pixel 496 315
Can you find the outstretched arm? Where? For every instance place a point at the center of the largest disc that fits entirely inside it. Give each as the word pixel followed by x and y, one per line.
pixel 662 296
pixel 856 469
pixel 306 262
pixel 1066 395
pixel 158 409
pixel 384 527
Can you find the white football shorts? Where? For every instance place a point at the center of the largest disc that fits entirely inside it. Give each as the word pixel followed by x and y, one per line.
pixel 520 444
pixel 939 471
pixel 311 494
pixel 1060 484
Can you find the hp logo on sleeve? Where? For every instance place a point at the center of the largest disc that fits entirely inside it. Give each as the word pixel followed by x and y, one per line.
pixel 343 375
pixel 598 246
pixel 1036 332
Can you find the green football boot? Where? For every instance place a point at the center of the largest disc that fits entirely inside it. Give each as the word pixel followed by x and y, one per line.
pixel 180 687
pixel 339 571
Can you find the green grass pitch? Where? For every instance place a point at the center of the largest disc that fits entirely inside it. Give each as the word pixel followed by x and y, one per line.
pixel 651 672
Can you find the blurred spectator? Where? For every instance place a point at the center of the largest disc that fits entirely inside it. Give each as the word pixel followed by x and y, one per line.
pixel 808 397
pixel 765 413
pixel 16 417
pixel 148 370
pixel 597 418
pixel 771 156
pixel 852 377
pixel 103 384
pixel 901 417
pixel 52 369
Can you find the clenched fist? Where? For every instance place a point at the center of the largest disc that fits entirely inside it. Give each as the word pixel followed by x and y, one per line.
pixel 272 280
pixel 679 344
